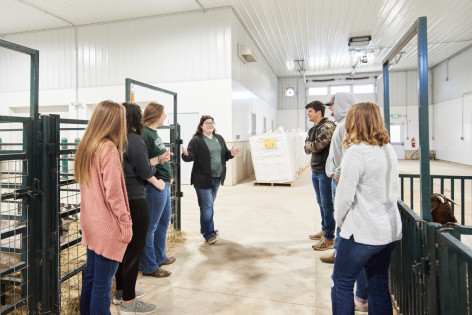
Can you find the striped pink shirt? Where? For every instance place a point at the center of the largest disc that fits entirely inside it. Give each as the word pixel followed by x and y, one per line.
pixel 105 219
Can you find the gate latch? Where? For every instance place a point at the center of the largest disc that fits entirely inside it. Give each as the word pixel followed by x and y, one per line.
pixel 32 192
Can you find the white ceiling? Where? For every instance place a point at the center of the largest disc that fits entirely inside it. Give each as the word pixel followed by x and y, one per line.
pixel 316 31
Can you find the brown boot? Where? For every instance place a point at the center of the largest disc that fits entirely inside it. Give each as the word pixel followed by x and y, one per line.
pixel 316 236
pixel 159 273
pixel 168 261
pixel 329 259
pixel 323 244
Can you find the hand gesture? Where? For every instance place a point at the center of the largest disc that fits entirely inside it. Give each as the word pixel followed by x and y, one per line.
pixel 234 151
pixel 166 156
pixel 184 151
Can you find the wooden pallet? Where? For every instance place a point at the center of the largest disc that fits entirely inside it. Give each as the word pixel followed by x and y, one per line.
pixel 287 184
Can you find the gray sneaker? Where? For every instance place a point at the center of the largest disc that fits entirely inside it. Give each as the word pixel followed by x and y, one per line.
pixel 118 297
pixel 137 307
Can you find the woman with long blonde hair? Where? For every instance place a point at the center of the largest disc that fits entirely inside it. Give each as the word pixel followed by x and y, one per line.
pixel 105 216
pixel 366 211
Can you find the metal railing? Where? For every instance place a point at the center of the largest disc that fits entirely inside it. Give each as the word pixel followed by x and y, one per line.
pixel 458 188
pixel 455 269
pixel 430 268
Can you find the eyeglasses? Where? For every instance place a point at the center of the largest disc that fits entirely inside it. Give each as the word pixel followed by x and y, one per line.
pixel 209 123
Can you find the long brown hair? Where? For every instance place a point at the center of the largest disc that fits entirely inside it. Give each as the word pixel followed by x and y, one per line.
pixel 199 130
pixel 108 122
pixel 152 112
pixel 365 124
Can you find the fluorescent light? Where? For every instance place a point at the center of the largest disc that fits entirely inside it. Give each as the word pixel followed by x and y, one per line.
pixel 359 41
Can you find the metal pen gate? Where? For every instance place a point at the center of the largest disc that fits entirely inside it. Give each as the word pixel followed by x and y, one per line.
pixel 17 194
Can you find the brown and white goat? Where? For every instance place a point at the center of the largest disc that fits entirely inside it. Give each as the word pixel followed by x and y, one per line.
pixel 441 210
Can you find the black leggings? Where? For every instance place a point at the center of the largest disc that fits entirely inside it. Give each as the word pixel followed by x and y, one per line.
pixel 128 269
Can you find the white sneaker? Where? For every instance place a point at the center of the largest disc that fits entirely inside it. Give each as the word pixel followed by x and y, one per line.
pixel 118 297
pixel 137 307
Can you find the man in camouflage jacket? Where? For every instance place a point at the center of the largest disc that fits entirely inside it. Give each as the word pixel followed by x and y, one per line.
pixel 317 144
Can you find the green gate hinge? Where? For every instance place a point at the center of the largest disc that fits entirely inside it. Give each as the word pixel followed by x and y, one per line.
pixel 181 194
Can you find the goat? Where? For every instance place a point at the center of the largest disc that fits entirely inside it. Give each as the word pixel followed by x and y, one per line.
pixel 441 210
pixel 67 221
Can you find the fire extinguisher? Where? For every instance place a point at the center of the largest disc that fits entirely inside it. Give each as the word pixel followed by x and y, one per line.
pixel 413 142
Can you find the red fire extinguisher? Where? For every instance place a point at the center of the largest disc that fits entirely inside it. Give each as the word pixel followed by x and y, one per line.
pixel 413 142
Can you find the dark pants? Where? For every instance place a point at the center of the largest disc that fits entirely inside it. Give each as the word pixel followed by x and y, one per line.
pixel 351 258
pixel 128 269
pixel 96 286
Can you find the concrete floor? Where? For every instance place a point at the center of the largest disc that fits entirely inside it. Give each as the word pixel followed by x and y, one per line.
pixel 263 262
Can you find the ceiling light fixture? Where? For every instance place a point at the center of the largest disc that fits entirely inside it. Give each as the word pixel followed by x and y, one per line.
pixel 359 41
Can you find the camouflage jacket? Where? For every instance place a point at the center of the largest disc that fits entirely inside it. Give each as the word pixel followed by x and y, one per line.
pixel 317 143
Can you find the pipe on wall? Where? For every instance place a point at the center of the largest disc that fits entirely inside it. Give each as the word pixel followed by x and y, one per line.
pixel 462 114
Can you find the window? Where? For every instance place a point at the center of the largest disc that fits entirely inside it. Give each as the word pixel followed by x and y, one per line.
pixel 340 88
pixel 396 134
pixel 322 90
pixel 363 89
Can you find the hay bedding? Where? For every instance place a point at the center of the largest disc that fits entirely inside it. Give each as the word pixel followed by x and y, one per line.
pixel 70 259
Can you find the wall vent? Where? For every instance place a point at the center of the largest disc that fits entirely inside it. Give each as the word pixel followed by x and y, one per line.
pixel 246 54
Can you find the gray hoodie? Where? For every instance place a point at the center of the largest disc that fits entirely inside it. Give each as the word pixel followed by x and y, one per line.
pixel 342 102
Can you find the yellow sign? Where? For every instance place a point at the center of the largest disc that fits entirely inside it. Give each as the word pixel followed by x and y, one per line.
pixel 269 143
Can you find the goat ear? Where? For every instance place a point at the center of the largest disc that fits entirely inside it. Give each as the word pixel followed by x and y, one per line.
pixel 440 198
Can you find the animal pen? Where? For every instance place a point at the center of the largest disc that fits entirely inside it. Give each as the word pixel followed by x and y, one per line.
pixel 430 268
pixel 42 260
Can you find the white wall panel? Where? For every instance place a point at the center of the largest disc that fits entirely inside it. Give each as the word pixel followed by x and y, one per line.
pixel 453 77
pixel 257 77
pixel 184 47
pixel 291 102
pixel 244 104
pixel 56 60
pixel 450 126
pixel 292 119
pixel 403 89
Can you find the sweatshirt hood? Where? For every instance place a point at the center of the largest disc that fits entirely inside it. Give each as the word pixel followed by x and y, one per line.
pixel 342 102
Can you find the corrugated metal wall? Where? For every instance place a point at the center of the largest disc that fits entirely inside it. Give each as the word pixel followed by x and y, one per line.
pixel 184 47
pixel 257 77
pixel 403 89
pixel 292 102
pixel 453 77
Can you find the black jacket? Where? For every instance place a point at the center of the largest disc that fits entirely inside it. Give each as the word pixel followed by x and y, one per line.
pixel 199 153
pixel 136 166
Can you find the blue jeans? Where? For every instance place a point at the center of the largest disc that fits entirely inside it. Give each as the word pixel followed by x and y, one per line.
pixel 96 285
pixel 322 185
pixel 160 210
pixel 334 185
pixel 206 200
pixel 351 258
pixel 361 282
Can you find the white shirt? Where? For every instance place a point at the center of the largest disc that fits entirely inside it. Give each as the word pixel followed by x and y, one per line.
pixel 366 197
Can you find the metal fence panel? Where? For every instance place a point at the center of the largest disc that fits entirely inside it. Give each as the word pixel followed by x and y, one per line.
pixel 15 211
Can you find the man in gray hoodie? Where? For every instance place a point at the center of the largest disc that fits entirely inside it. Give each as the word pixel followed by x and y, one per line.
pixel 339 105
